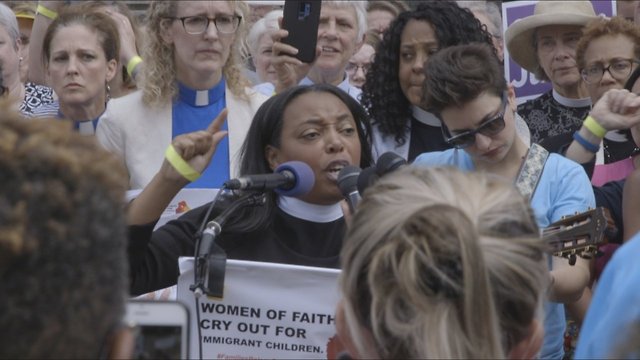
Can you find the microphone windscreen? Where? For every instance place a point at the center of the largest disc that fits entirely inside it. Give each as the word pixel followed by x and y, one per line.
pixel 389 162
pixel 366 178
pixel 348 179
pixel 303 175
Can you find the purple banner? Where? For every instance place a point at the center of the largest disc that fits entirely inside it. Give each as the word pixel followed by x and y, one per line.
pixel 526 85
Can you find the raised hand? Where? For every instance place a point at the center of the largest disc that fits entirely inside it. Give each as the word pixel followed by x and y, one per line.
pixel 196 148
pixel 617 109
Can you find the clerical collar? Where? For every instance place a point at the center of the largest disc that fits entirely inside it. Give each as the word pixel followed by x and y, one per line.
pixel 425 117
pixel 84 127
pixel 310 212
pixel 201 97
pixel 568 102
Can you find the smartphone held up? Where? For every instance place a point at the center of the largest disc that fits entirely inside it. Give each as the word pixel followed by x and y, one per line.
pixel 301 19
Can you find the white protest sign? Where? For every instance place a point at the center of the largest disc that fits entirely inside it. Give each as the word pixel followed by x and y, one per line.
pixel 268 311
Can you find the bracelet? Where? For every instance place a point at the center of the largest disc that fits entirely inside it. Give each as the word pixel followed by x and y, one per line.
pixel 48 13
pixel 593 126
pixel 181 166
pixel 131 65
pixel 585 143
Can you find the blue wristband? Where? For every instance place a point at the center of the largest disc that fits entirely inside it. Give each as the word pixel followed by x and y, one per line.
pixel 585 144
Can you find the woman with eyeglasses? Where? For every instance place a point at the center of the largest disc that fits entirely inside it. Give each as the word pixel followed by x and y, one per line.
pixel 191 73
pixel 465 85
pixel 608 53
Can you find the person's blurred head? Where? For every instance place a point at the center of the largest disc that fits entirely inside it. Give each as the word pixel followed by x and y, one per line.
pixel 545 42
pixel 80 52
pixel 63 264
pixel 467 90
pixel 380 14
pixel 260 43
pixel 397 74
pixel 340 35
pixel 442 264
pixel 608 52
pixel 360 62
pixel 10 47
pixel 184 45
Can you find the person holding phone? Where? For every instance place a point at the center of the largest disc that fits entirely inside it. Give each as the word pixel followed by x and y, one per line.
pixel 320 125
pixel 191 73
pixel 63 264
pixel 341 30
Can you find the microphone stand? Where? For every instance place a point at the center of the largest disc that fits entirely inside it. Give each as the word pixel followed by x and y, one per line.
pixel 210 258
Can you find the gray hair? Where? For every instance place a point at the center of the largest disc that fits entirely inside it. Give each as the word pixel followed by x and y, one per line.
pixel 261 27
pixel 361 13
pixel 9 22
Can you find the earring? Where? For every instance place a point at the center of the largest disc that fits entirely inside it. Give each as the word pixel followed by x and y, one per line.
pixel 108 88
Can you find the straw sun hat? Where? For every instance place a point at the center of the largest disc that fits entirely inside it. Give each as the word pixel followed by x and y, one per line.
pixel 519 36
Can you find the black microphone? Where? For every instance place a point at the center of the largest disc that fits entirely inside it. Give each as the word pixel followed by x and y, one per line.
pixel 367 177
pixel 348 184
pixel 389 162
pixel 292 178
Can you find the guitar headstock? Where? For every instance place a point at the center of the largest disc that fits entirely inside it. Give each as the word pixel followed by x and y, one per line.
pixel 577 235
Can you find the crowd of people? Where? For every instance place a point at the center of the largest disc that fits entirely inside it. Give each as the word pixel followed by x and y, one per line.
pixel 442 258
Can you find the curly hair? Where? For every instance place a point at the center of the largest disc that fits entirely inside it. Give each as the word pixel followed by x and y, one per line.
pixel 159 84
pixel 63 265
pixel 606 27
pixel 382 96
pixel 441 264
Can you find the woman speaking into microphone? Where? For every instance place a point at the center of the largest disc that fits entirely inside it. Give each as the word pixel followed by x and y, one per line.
pixel 319 125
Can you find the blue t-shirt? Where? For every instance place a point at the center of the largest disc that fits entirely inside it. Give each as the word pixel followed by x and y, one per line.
pixel 193 111
pixel 564 189
pixel 614 308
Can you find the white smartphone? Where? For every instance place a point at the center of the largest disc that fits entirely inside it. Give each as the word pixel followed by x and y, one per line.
pixel 162 329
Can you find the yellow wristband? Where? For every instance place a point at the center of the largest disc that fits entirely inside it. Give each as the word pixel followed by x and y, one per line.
pixel 48 13
pixel 181 166
pixel 131 65
pixel 592 125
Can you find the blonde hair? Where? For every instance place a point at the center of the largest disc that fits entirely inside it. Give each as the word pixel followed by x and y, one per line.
pixel 441 264
pixel 159 78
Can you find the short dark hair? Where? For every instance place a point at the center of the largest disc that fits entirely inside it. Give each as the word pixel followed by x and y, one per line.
pixel 266 129
pixel 63 267
pixel 382 96
pixel 459 74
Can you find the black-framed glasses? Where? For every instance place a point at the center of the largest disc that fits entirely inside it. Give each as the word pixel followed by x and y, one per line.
pixel 198 24
pixel 490 127
pixel 619 69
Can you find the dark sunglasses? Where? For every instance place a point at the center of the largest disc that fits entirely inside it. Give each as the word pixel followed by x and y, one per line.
pixel 490 127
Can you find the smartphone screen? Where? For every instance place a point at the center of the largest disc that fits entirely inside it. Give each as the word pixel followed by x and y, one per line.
pixel 158 342
pixel 161 329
